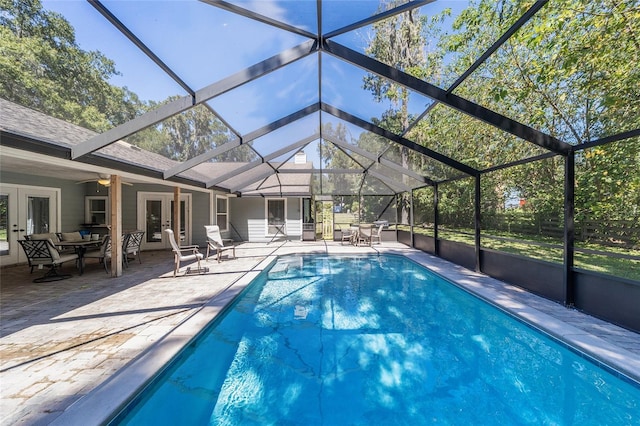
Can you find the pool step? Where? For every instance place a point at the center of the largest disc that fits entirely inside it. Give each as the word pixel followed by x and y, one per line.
pixel 279 271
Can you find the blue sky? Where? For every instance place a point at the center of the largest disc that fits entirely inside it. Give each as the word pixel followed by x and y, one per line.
pixel 204 44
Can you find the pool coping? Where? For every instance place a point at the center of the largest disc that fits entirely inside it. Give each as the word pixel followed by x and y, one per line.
pixel 104 402
pixel 606 355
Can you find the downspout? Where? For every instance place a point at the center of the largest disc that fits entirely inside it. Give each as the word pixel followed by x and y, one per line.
pixel 569 229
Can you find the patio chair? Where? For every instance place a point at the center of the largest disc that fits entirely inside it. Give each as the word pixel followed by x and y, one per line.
pixel 43 253
pixel 364 234
pixel 214 242
pixel 184 254
pixel 102 254
pixel 131 246
pixel 346 235
pixel 377 235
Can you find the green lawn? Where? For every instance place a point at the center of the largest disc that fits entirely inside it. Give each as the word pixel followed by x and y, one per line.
pixel 550 250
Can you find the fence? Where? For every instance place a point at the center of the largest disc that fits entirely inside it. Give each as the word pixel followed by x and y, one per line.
pixel 620 233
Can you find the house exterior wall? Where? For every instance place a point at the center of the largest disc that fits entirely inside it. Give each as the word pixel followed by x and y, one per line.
pixel 248 217
pixel 71 196
pixel 73 202
pixel 200 207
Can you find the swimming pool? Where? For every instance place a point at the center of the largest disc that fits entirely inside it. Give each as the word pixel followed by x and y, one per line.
pixel 376 340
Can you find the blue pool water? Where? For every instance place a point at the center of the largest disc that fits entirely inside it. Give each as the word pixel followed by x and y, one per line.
pixel 376 340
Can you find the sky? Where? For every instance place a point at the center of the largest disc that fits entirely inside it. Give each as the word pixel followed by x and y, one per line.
pixel 204 44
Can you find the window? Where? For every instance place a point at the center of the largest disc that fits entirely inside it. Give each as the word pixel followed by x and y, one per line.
pixel 222 212
pixel 96 210
pixel 276 216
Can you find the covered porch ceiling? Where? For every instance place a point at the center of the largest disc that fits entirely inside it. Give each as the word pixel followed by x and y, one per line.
pixel 286 110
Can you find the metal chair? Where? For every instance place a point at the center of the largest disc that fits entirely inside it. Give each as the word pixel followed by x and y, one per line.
pixel 42 253
pixel 214 242
pixel 184 254
pixel 364 234
pixel 377 235
pixel 131 246
pixel 102 254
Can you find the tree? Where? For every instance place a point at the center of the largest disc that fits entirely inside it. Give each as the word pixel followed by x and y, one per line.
pixel 572 71
pixel 398 41
pixel 42 67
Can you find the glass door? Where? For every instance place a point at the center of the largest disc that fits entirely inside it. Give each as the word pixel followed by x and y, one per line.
pixel 155 215
pixel 24 211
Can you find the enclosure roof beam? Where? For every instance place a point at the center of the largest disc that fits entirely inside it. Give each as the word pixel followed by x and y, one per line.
pixel 454 101
pixel 259 17
pixel 389 182
pixel 608 139
pixel 135 40
pixel 251 180
pixel 235 172
pixel 378 17
pixel 398 139
pixel 206 156
pixel 384 162
pixel 495 46
pixel 253 164
pixel 281 122
pixel 184 103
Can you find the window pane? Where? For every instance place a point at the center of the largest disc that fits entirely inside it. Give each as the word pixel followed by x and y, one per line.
pixel 221 205
pixel 37 215
pixel 221 220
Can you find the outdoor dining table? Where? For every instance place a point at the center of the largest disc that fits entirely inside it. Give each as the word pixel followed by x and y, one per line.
pixel 80 247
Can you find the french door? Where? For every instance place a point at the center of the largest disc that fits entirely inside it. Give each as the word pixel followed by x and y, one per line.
pixel 155 214
pixel 25 210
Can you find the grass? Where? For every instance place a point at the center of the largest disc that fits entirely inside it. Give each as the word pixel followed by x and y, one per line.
pixel 550 250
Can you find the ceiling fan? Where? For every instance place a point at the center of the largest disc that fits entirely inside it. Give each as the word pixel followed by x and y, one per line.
pixel 104 180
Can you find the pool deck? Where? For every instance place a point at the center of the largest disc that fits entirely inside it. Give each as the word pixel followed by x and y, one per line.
pixel 72 351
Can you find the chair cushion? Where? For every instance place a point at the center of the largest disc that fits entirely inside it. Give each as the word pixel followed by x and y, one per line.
pixel 71 236
pixel 55 254
pixel 65 258
pixel 48 236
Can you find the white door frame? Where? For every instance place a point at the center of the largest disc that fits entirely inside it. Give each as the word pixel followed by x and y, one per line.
pixel 17 216
pixel 165 199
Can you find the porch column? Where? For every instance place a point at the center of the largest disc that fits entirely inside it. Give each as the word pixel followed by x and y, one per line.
pixel 115 212
pixel 177 220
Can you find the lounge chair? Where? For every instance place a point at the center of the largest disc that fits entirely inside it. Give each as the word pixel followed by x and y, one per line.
pixel 43 253
pixel 377 235
pixel 364 234
pixel 214 242
pixel 347 235
pixel 184 253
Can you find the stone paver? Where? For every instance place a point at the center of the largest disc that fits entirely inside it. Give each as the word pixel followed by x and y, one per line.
pixel 62 341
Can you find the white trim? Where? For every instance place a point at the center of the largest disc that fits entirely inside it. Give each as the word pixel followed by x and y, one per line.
pixel 215 212
pixel 164 197
pixel 87 208
pixel 17 213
